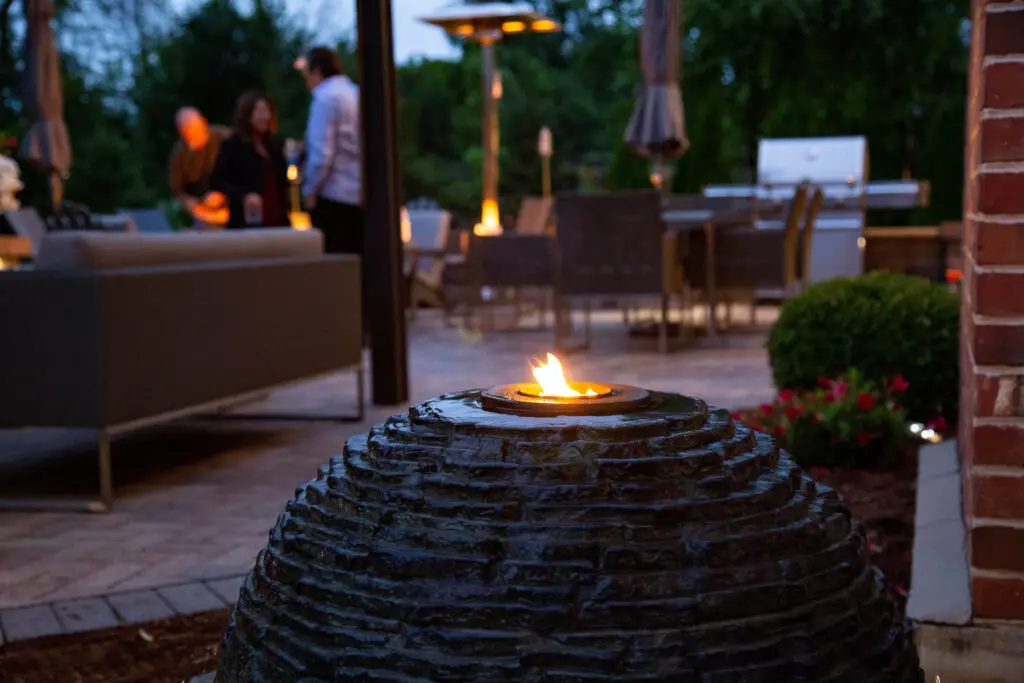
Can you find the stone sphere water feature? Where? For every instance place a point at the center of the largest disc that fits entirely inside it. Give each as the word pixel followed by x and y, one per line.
pixel 635 536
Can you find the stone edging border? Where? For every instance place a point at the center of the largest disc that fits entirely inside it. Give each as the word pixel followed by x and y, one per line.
pixel 83 615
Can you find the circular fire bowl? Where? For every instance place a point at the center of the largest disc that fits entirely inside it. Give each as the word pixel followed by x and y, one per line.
pixel 476 540
pixel 525 399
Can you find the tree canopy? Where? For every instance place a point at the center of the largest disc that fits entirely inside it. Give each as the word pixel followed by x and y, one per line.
pixel 895 72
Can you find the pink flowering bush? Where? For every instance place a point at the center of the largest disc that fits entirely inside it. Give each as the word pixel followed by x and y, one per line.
pixel 844 422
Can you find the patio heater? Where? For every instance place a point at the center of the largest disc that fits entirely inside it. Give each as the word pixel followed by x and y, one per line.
pixel 486 25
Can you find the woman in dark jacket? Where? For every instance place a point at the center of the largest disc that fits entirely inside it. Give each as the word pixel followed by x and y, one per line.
pixel 251 169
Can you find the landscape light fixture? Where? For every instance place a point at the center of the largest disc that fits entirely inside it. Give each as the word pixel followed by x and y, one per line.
pixel 486 25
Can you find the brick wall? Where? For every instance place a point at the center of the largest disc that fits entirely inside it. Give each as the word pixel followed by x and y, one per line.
pixel 992 326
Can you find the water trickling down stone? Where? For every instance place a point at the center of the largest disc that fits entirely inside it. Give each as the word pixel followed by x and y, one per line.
pixel 454 544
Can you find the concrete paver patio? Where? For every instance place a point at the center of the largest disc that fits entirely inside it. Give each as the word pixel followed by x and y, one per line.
pixel 197 498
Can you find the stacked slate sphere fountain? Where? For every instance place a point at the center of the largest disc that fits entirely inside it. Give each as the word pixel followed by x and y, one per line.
pixel 621 536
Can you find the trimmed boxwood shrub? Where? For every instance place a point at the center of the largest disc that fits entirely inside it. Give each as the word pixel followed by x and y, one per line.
pixel 881 324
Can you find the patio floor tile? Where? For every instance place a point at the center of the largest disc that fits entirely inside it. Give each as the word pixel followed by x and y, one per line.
pixel 197 498
pixel 191 598
pixel 26 623
pixel 91 614
pixel 139 607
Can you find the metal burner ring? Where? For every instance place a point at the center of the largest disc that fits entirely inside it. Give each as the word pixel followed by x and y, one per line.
pixel 524 399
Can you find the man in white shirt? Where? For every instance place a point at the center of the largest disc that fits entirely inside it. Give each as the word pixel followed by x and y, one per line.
pixel 333 177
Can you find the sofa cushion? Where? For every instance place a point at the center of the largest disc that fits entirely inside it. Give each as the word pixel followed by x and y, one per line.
pixel 107 251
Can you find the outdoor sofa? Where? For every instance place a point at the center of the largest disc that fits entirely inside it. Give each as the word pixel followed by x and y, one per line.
pixel 118 331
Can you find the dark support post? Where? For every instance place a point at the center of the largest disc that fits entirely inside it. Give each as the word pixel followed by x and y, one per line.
pixel 383 241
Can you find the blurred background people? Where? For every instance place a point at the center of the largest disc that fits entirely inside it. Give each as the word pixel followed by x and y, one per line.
pixel 251 169
pixel 193 157
pixel 333 177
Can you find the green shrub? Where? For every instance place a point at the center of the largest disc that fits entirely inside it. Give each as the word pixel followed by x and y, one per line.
pixel 882 325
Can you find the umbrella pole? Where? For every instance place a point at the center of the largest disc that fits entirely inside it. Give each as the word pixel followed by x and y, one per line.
pixel 661 175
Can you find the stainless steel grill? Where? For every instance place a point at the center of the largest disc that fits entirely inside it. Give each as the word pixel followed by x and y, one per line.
pixel 840 167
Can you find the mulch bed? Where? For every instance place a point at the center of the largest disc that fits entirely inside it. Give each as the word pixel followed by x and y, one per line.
pixel 174 650
pixel 884 504
pixel 170 651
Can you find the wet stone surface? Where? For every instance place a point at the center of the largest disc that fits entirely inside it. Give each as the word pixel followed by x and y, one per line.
pixel 454 544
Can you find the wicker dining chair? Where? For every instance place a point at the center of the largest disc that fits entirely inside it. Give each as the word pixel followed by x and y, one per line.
pixel 611 246
pixel 506 262
pixel 751 260
pixel 534 217
pixel 807 237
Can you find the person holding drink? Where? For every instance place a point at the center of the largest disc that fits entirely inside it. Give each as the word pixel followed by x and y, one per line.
pixel 251 169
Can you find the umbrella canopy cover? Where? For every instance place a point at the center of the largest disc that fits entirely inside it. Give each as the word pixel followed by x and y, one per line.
pixel 46 142
pixel 658 125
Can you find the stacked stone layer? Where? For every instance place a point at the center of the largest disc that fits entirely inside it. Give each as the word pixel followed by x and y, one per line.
pixel 452 544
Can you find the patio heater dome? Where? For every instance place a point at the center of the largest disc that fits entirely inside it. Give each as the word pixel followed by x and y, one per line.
pixel 565 531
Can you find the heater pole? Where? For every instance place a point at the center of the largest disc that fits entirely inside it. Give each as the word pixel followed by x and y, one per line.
pixel 490 130
pixel 383 295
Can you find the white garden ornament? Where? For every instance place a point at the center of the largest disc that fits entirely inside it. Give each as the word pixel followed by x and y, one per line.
pixel 10 184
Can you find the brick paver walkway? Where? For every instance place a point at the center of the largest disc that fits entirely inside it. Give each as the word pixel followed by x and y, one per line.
pixel 196 499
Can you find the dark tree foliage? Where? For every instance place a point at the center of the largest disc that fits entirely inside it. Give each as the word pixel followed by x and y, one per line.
pixel 895 72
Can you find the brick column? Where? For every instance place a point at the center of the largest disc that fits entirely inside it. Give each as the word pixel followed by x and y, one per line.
pixel 991 430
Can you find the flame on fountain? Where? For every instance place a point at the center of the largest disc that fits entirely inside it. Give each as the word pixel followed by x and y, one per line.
pixel 551 379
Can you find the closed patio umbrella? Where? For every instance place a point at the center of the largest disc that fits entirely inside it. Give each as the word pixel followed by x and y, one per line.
pixel 658 128
pixel 46 142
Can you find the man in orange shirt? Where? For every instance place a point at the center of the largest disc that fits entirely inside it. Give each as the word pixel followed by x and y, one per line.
pixel 193 157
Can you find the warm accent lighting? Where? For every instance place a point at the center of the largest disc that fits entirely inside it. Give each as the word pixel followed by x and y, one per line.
pixel 489 224
pixel 213 210
pixel 406 224
pixel 293 173
pixel 553 384
pixel 544 26
pixel 513 27
pixel 925 432
pixel 300 220
pixel 464 30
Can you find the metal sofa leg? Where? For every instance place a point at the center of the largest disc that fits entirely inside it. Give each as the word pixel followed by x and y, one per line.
pixel 104 503
pixel 106 473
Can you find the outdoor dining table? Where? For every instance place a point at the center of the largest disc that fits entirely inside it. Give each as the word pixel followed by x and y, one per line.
pixel 684 222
